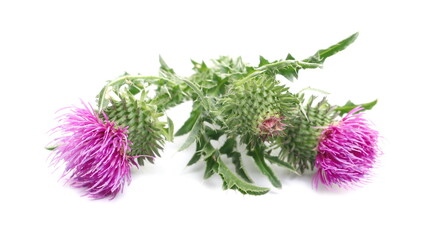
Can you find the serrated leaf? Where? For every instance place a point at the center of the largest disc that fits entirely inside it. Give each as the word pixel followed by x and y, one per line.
pixel 208 150
pixel 276 160
pixel 350 106
pixel 192 135
pixel 239 169
pixel 230 180
pixel 259 159
pixel 228 146
pixel 190 122
pixel 204 102
pixel 211 168
pixel 321 55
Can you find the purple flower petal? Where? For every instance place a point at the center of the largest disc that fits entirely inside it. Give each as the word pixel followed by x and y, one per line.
pixel 94 152
pixel 347 152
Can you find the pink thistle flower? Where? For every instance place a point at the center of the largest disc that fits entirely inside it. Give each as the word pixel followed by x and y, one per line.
pixel 94 152
pixel 347 151
pixel 271 126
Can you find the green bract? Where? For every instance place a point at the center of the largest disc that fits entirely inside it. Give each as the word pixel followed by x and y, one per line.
pixel 251 101
pixel 145 128
pixel 125 102
pixel 298 142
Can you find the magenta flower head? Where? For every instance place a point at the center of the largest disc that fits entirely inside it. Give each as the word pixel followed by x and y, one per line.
pixel 272 126
pixel 346 152
pixel 94 151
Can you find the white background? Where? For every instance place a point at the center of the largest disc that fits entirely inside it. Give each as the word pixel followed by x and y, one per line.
pixel 54 53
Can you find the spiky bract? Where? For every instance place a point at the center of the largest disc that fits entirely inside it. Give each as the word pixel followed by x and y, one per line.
pixel 299 140
pixel 145 131
pixel 252 101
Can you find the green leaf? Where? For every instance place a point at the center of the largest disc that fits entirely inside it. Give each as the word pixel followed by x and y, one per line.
pixel 276 160
pixel 102 101
pixel 259 159
pixel 208 150
pixel 228 146
pixel 51 148
pixel 213 134
pixel 190 122
pixel 263 61
pixel 289 57
pixel 170 130
pixel 211 167
pixel 237 161
pixel 192 136
pixel 164 66
pixel 321 55
pixel 350 106
pixel 289 73
pixel 230 180
pixel 204 102
pixel 134 89
pixel 195 158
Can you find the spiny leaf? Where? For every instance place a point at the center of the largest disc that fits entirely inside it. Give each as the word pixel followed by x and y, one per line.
pixel 257 154
pixel 237 161
pixel 190 122
pixel 204 102
pixel 211 167
pixel 233 182
pixel 321 55
pixel 276 160
pixel 350 106
pixel 229 148
pixel 192 135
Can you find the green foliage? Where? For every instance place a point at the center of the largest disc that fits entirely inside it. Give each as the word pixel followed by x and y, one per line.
pixel 258 155
pixel 230 181
pixel 230 100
